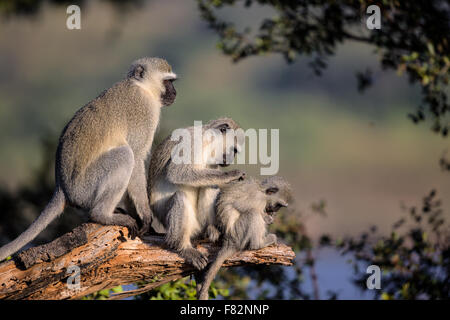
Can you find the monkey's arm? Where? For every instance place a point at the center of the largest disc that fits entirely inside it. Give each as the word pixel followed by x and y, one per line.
pixel 188 175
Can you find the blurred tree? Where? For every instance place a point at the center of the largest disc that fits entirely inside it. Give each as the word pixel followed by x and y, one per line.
pixel 414 259
pixel 10 8
pixel 413 39
pixel 21 206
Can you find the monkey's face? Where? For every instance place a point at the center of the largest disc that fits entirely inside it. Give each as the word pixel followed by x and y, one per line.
pixel 273 205
pixel 222 142
pixel 169 93
pixel 278 194
pixel 155 76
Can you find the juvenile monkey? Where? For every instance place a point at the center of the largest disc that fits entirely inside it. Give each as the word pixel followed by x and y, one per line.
pixel 182 195
pixel 102 151
pixel 243 210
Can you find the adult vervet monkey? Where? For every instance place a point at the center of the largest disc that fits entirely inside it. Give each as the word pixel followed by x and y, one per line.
pixel 182 195
pixel 102 151
pixel 243 211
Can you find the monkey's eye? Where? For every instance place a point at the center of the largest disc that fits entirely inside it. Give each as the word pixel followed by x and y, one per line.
pixel 224 128
pixel 271 190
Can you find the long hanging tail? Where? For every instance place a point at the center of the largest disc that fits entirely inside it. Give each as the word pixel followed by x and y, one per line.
pixel 53 209
pixel 223 254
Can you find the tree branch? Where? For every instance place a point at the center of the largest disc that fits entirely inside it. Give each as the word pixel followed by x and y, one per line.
pixel 106 258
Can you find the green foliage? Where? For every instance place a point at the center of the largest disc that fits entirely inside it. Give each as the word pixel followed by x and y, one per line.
pixel 414 258
pixel 7 259
pixel 413 39
pixel 103 294
pixel 182 289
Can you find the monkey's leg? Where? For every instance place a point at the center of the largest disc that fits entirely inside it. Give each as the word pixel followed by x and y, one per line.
pixel 137 191
pixel 180 226
pixel 109 176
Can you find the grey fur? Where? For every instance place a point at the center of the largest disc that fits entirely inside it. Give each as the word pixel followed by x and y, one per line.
pixel 242 211
pixel 102 152
pixel 182 195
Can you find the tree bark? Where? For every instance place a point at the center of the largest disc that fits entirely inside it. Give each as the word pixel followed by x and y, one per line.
pixel 106 258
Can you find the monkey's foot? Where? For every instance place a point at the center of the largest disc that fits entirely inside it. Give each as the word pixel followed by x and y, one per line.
pixel 195 257
pixel 146 226
pixel 131 224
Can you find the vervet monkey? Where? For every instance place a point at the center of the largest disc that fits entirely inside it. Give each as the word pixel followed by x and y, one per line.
pixel 182 195
pixel 102 151
pixel 243 210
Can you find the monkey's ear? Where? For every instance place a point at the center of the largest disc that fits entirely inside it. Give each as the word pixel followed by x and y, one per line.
pixel 139 72
pixel 271 190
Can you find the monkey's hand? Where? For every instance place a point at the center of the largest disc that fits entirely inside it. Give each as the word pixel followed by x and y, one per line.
pixel 235 175
pixel 212 233
pixel 271 239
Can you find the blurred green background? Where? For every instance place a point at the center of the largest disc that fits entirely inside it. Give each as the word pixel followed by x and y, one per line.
pixel 359 152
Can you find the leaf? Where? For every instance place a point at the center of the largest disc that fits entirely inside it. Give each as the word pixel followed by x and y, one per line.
pixel 117 289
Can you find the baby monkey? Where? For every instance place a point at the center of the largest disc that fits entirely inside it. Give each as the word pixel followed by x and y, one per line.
pixel 243 210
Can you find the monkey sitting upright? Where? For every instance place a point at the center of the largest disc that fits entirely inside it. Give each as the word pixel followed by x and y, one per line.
pixel 182 195
pixel 102 151
pixel 243 210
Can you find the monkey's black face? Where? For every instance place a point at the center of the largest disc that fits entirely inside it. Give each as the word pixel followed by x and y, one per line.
pixel 228 158
pixel 271 209
pixel 168 97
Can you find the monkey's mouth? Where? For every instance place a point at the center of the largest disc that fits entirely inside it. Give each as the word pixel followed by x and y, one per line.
pixel 271 210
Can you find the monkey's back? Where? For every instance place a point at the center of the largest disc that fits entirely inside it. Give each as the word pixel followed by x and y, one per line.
pixel 239 209
pixel 101 125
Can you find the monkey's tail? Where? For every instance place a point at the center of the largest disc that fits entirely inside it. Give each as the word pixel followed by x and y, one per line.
pixel 53 209
pixel 223 254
